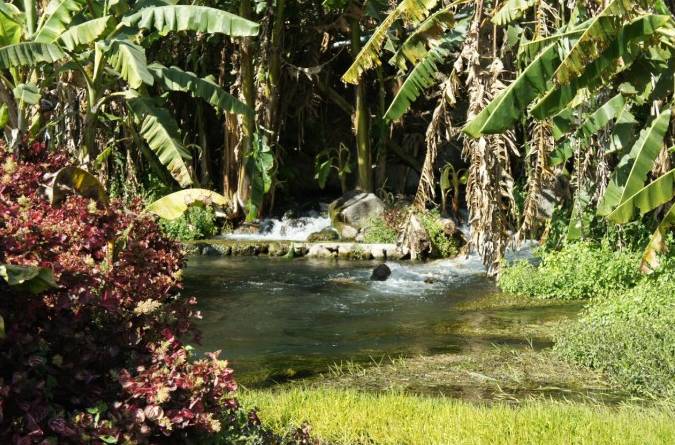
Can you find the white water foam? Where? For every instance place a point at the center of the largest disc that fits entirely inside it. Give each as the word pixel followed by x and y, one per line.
pixel 286 229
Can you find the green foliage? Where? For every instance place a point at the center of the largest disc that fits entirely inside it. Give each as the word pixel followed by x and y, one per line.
pixel 196 223
pixel 442 243
pixel 578 271
pixel 259 164
pixel 630 336
pixel 380 231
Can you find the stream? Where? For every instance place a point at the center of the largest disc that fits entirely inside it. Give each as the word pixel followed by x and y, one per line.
pixel 275 318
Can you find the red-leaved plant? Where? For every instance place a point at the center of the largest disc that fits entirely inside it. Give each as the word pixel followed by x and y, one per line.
pixel 99 359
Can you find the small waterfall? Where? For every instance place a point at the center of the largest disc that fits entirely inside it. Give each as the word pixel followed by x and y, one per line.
pixel 285 229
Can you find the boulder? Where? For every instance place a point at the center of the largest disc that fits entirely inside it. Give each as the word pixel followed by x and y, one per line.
pixel 319 251
pixel 380 273
pixel 328 234
pixel 348 232
pixel 356 209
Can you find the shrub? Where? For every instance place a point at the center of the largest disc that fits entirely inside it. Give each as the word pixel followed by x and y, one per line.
pixel 198 222
pixel 442 243
pixel 379 231
pixel 630 336
pixel 577 271
pixel 99 358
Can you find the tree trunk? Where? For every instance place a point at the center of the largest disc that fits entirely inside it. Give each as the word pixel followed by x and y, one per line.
pixel 277 43
pixel 248 96
pixel 361 120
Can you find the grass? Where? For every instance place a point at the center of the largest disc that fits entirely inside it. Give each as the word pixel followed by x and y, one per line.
pixel 347 416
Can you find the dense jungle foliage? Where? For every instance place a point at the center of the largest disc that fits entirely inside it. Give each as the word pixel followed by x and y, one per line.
pixel 522 119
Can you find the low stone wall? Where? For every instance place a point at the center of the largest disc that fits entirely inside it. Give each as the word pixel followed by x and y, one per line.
pixel 327 249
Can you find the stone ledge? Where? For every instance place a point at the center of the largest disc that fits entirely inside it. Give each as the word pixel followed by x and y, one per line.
pixel 322 249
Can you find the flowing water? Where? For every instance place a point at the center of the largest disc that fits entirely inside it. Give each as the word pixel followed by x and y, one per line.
pixel 285 229
pixel 275 317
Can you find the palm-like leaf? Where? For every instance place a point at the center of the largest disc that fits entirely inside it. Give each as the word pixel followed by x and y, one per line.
pixel 422 76
pixel 10 24
pixel 648 198
pixel 84 33
pixel 413 11
pixel 29 54
pixel 160 131
pixel 596 38
pixel 657 244
pixel 512 10
pixel 596 121
pixel 174 205
pixel 414 48
pixel 623 47
pixel 630 175
pixel 507 108
pixel 176 79
pixel 129 60
pixel 56 18
pixel 191 18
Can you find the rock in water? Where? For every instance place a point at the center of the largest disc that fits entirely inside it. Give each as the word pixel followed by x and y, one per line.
pixel 380 273
pixel 355 209
pixel 328 234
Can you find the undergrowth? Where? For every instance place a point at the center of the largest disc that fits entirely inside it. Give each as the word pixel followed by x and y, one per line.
pixel 629 336
pixel 577 271
pixel 197 223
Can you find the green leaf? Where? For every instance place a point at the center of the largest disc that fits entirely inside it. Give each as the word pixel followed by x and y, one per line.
pixel 413 11
pixel 414 48
pixel 10 24
pixel 4 116
pixel 176 79
pixel 85 33
pixel 507 108
pixel 596 121
pixel 191 18
pixel 623 134
pixel 129 60
pixel 34 279
pixel 648 198
pixel 28 94
pixel 580 220
pixel 602 30
pixel 422 76
pixel 657 244
pixel 630 175
pixel 55 20
pixel 173 206
pixel 512 10
pixel 29 54
pixel 73 179
pixel 160 131
pixel 601 70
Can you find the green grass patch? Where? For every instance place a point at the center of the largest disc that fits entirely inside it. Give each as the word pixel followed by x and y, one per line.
pixel 630 336
pixel 344 417
pixel 577 271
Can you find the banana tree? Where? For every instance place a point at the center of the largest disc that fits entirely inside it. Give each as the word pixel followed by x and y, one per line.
pixel 624 52
pixel 101 45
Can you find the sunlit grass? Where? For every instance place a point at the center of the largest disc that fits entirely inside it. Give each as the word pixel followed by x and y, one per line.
pixel 352 417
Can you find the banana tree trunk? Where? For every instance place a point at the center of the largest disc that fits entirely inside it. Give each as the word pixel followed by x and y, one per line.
pixel 382 130
pixel 277 43
pixel 361 120
pixel 248 96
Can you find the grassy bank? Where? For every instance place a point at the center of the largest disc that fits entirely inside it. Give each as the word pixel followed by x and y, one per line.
pixel 626 329
pixel 353 417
